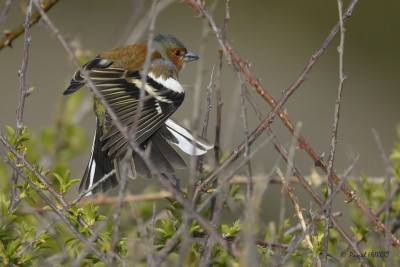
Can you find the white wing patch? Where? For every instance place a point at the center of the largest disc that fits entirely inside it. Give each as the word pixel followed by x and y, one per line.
pixel 150 90
pixel 158 108
pixel 92 166
pixel 169 83
pixel 91 177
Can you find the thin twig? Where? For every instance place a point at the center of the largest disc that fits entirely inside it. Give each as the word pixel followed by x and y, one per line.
pixel 21 103
pixel 101 200
pixel 331 158
pixel 143 23
pixel 207 240
pixel 151 254
pixel 196 165
pixel 145 69
pixel 208 244
pixel 12 35
pixel 388 198
pixel 299 215
pixel 208 107
pixel 217 201
pixel 250 256
pixel 217 149
pixel 286 185
pixel 243 89
pixel 217 145
pixel 4 13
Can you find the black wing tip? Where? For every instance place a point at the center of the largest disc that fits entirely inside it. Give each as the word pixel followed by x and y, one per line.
pixel 73 87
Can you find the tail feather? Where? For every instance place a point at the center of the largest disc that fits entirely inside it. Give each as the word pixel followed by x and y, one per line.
pixel 161 155
pixel 141 167
pixel 158 159
pixel 168 152
pixel 119 165
pixel 98 166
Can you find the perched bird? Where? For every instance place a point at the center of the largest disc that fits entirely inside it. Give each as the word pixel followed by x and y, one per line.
pixel 117 77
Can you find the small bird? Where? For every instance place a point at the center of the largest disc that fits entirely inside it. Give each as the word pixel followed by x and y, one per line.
pixel 117 77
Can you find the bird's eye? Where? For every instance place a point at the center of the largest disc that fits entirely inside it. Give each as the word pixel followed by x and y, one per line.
pixel 177 52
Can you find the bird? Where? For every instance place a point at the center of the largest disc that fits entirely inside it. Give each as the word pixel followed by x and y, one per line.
pixel 116 74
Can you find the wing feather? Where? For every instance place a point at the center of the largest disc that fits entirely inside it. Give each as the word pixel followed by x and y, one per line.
pixel 121 90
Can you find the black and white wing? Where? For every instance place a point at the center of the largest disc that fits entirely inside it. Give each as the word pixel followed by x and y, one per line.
pixel 121 90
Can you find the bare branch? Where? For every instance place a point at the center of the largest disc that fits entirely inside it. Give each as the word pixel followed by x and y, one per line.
pixel 299 215
pixel 389 195
pixel 4 13
pixel 21 103
pixel 12 35
pixel 331 157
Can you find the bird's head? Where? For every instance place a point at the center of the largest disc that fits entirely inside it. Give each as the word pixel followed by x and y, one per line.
pixel 168 47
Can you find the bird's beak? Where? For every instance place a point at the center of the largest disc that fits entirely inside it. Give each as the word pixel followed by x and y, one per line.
pixel 190 57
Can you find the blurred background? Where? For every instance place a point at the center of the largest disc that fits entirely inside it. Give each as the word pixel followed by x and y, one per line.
pixel 276 37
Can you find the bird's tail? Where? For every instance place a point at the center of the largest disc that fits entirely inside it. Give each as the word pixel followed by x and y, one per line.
pixel 162 156
pixel 98 166
pixel 157 150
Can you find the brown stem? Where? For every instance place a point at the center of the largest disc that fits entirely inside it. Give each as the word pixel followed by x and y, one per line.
pixel 18 31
